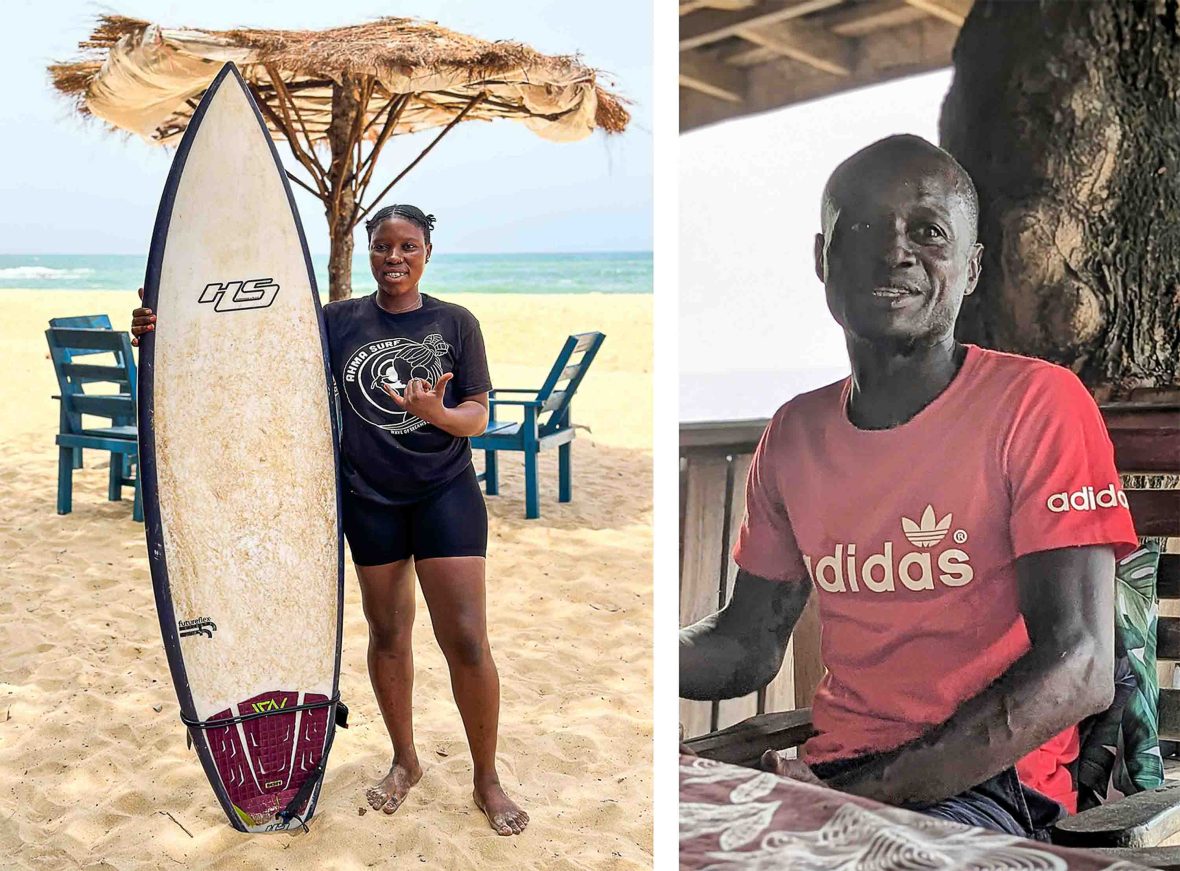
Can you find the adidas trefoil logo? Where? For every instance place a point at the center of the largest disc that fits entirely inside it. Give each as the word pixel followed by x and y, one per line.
pixel 926 533
pixel 845 570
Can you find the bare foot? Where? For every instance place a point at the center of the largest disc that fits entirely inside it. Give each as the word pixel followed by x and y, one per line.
pixel 389 792
pixel 503 814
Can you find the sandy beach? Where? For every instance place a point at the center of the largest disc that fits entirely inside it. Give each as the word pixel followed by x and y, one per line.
pixel 94 772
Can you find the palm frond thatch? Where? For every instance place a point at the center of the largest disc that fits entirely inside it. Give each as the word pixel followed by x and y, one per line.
pixel 142 77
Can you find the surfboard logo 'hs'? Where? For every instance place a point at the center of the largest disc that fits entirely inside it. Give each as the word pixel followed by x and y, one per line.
pixel 239 295
pixel 201 626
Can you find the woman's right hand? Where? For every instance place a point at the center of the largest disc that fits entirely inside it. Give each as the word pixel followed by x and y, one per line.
pixel 142 321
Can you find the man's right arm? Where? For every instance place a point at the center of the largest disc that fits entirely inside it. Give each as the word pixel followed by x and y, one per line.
pixel 739 649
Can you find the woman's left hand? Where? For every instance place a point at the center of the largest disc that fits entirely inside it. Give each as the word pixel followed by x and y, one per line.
pixel 422 400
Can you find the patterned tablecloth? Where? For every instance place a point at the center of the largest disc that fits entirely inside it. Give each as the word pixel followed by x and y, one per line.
pixel 739 819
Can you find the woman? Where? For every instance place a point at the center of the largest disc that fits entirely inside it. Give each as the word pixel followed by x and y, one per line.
pixel 414 380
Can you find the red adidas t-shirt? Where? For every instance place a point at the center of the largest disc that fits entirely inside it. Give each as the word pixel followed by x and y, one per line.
pixel 910 536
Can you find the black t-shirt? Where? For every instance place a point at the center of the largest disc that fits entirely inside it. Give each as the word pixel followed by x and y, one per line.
pixel 388 455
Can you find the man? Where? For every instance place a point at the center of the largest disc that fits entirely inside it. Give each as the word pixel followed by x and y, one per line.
pixel 957 511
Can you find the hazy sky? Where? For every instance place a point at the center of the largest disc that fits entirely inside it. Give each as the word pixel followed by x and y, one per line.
pixel 71 187
pixel 749 206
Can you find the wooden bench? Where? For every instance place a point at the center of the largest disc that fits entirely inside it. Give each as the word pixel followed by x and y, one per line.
pixel 714 460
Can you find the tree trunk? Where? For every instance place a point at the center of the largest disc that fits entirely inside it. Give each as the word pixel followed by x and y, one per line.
pixel 346 107
pixel 1067 116
pixel 339 260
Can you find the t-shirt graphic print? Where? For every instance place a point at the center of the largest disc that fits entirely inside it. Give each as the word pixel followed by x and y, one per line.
pixel 845 571
pixel 390 364
pixel 387 454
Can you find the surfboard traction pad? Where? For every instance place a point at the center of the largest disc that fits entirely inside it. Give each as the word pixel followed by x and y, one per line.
pixel 265 761
pixel 245 548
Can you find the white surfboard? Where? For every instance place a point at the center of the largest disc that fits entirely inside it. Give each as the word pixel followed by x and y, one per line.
pixel 238 457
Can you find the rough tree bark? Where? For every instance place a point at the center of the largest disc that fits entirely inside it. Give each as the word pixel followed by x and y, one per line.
pixel 347 107
pixel 1067 116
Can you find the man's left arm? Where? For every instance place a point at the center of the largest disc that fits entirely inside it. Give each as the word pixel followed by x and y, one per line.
pixel 1067 599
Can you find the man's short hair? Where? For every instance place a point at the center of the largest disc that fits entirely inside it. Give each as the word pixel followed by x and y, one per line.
pixel 905 145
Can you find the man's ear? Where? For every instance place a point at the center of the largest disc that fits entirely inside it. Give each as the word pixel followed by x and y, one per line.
pixel 429 249
pixel 819 257
pixel 974 268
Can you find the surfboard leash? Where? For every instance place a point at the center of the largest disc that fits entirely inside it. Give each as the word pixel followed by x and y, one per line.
pixel 191 723
pixel 304 794
pixel 288 813
pixel 241 718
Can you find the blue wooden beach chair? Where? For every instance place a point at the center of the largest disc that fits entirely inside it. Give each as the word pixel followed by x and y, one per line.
pixel 73 338
pixel 92 322
pixel 546 423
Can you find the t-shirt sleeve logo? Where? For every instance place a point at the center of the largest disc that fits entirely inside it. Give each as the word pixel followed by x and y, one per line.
pixel 1087 499
pixel 391 363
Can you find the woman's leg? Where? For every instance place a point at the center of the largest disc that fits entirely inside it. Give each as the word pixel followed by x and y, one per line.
pixel 387 593
pixel 454 591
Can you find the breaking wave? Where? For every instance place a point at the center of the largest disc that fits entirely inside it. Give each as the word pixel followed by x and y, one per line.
pixel 43 273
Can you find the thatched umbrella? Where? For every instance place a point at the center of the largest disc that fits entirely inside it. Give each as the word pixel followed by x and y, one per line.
pixel 349 88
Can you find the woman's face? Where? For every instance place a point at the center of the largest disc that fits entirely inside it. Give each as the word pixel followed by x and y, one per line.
pixel 397 255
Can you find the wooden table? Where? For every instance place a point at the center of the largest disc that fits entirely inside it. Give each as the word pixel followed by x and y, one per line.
pixel 739 819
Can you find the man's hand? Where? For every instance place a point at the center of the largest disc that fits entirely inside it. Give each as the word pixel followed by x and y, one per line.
pixel 795 769
pixel 685 750
pixel 421 399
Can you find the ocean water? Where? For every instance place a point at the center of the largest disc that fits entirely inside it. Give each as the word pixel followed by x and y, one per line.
pixel 598 272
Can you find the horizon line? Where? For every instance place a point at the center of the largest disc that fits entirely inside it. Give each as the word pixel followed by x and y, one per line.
pixel 320 253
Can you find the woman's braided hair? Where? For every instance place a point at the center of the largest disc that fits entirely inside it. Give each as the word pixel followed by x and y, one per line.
pixel 413 214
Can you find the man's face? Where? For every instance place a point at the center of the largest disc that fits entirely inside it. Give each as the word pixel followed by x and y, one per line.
pixel 897 254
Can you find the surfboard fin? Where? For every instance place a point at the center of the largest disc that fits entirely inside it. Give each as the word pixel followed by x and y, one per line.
pixel 342 715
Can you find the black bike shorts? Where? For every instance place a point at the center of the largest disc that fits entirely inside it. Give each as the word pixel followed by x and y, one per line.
pixel 451 521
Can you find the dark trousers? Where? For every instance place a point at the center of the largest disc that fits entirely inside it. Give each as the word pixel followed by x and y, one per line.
pixel 1001 803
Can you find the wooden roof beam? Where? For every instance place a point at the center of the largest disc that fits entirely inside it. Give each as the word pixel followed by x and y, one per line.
pixel 701 28
pixel 951 11
pixel 706 75
pixel 806 43
pixel 687 6
pixel 887 54
pixel 871 16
